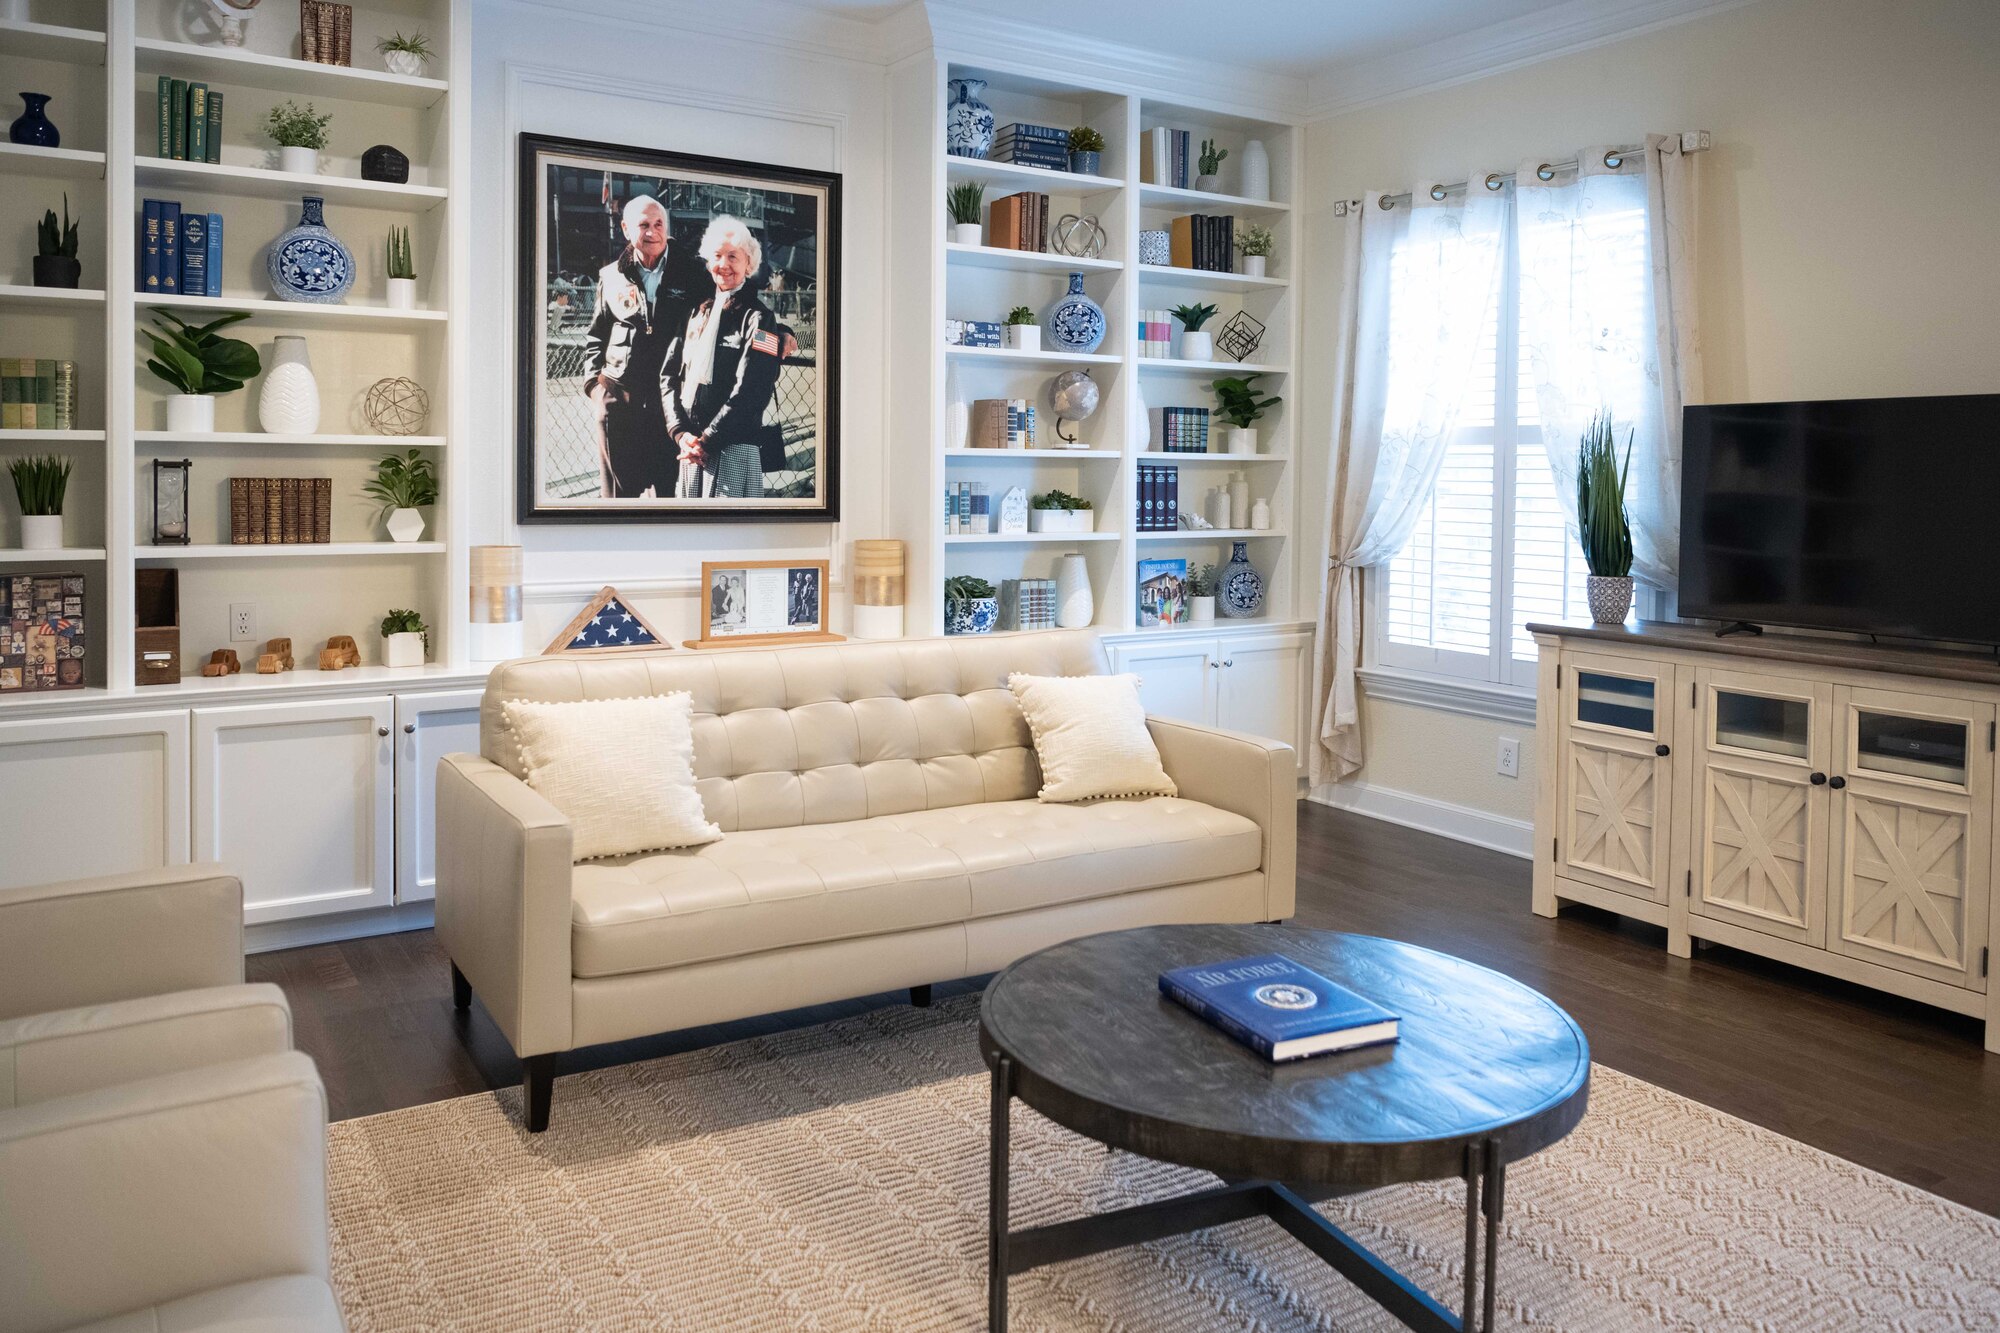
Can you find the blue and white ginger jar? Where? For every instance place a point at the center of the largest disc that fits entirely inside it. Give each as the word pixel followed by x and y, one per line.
pixel 971 615
pixel 1075 322
pixel 1240 589
pixel 968 122
pixel 308 263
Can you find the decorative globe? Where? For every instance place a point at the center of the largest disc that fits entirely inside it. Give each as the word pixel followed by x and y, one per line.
pixel 1074 394
pixel 396 406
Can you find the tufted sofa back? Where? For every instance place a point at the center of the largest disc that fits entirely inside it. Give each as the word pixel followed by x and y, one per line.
pixel 814 735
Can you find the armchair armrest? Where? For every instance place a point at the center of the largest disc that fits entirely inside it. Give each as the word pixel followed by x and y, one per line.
pixel 93 941
pixel 503 898
pixel 151 1191
pixel 80 1050
pixel 1248 776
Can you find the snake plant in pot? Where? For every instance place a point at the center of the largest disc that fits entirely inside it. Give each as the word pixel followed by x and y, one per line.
pixel 1602 523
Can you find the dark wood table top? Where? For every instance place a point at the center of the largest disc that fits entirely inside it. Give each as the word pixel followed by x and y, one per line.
pixel 1098 1049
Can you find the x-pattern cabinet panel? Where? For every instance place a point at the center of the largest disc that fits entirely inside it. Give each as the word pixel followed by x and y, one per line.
pixel 1615 738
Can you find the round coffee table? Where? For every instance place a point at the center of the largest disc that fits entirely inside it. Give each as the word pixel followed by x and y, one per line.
pixel 1487 1072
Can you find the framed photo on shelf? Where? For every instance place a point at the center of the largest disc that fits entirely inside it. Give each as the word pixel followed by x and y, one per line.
pixel 763 602
pixel 678 337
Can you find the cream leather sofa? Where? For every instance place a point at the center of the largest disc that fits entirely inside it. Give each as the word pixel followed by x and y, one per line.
pixel 881 832
pixel 162 1146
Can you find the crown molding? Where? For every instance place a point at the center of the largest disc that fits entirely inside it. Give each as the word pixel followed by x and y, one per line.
pixel 1465 57
pixel 799 28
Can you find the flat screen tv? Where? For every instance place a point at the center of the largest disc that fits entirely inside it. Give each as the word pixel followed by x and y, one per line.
pixel 1875 515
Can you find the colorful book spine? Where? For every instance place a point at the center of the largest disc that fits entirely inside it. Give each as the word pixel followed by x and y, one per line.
pixel 214 126
pixel 194 254
pixel 165 145
pixel 177 144
pixel 215 254
pixel 170 247
pixel 149 248
pixel 196 148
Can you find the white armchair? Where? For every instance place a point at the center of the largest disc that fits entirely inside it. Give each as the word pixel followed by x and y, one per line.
pixel 162 1147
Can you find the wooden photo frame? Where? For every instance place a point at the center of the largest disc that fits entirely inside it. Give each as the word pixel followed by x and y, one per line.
pixel 608 624
pixel 748 602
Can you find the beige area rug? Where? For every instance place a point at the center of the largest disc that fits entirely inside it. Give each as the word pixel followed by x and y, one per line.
pixel 835 1178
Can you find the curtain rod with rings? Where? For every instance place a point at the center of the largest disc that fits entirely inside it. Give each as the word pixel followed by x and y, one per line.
pixel 1613 159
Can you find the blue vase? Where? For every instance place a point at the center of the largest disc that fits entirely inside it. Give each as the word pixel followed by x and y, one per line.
pixel 968 122
pixel 308 263
pixel 1075 322
pixel 1240 589
pixel 34 126
pixel 972 615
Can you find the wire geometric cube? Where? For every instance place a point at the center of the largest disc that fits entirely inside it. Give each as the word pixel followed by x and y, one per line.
pixel 396 406
pixel 1241 335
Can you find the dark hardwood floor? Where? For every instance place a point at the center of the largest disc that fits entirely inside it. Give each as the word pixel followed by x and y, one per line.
pixel 1894 1085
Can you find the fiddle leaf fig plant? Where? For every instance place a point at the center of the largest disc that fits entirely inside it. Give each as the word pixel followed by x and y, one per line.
pixel 403 481
pixel 1236 399
pixel 194 360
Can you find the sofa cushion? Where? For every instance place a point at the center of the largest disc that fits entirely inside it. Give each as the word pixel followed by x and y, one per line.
pixel 775 888
pixel 1090 737
pixel 622 770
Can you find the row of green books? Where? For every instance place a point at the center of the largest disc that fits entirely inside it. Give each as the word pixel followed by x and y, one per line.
pixel 37 394
pixel 190 121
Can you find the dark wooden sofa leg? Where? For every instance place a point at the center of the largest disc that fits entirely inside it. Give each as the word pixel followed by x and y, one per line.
pixel 920 996
pixel 538 1081
pixel 461 989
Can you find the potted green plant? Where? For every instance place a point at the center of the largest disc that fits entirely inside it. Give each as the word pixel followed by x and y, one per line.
pixel 1237 403
pixel 404 483
pixel 40 481
pixel 969 605
pixel 405 55
pixel 55 250
pixel 300 133
pixel 1059 511
pixel 965 202
pixel 199 364
pixel 1022 333
pixel 1255 246
pixel 1602 523
pixel 1201 592
pixel 402 266
pixel 406 639
pixel 1196 343
pixel 1209 165
pixel 1086 151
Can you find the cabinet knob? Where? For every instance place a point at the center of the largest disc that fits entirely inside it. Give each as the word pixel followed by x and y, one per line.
pixel 1817 779
pixel 381 731
pixel 1663 750
pixel 1229 661
pixel 1836 783
pixel 409 728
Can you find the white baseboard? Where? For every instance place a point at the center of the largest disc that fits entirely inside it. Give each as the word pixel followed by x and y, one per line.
pixel 1462 823
pixel 269 935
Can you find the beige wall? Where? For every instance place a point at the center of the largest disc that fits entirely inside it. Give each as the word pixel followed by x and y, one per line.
pixel 1848 224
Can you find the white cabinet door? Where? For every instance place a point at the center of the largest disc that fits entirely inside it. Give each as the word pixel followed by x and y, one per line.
pixel 299 801
pixel 1262 688
pixel 1176 676
pixel 428 727
pixel 93 795
pixel 1617 779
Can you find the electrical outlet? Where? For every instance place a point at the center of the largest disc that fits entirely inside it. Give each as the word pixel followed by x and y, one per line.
pixel 1509 765
pixel 242 622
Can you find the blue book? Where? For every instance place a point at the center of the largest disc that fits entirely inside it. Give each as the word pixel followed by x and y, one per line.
pixel 214 245
pixel 170 246
pixel 194 254
pixel 1277 1008
pixel 149 249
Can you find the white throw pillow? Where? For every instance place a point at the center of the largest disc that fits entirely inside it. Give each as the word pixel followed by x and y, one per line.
pixel 1090 735
pixel 622 770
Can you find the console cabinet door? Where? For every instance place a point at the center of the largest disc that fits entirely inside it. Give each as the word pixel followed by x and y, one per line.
pixel 1176 676
pixel 299 801
pixel 1616 798
pixel 1261 688
pixel 428 727
pixel 93 795
pixel 1913 820
pixel 1759 832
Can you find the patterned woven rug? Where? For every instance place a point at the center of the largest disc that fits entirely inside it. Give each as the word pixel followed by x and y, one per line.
pixel 835 1178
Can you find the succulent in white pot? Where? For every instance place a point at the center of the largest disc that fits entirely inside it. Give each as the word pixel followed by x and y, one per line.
pixel 406 639
pixel 405 55
pixel 40 482
pixel 402 266
pixel 300 133
pixel 1021 332
pixel 1201 592
pixel 1197 344
pixel 404 483
pixel 1604 529
pixel 1255 247
pixel 1059 511
pixel 199 364
pixel 964 202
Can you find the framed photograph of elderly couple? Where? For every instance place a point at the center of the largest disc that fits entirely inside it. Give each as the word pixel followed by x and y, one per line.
pixel 679 338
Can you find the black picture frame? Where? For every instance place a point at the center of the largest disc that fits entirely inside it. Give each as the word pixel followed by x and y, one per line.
pixel 558 445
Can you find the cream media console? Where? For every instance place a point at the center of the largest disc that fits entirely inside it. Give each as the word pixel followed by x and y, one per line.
pixel 1826 803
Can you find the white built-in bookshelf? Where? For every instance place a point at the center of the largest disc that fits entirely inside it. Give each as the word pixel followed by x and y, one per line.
pixel 101 61
pixel 982 282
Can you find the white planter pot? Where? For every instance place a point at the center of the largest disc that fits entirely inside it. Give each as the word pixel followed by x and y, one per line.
pixel 288 400
pixel 1062 520
pixel 191 413
pixel 1197 346
pixel 1022 337
pixel 1208 184
pixel 302 161
pixel 1253 265
pixel 1075 605
pixel 968 233
pixel 402 293
pixel 403 650
pixel 1241 439
pixel 406 525
pixel 1256 170
pixel 41 532
pixel 405 63
pixel 1201 608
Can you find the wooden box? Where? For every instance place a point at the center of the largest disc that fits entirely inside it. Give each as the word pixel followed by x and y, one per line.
pixel 156 598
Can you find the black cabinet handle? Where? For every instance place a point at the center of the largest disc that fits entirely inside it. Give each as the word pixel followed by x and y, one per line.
pixel 1836 783
pixel 1663 750
pixel 1818 779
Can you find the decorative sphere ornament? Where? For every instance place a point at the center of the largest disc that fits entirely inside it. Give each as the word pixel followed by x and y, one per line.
pixel 1077 237
pixel 396 406
pixel 1072 395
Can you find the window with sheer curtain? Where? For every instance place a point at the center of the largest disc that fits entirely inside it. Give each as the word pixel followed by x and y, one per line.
pixel 1493 550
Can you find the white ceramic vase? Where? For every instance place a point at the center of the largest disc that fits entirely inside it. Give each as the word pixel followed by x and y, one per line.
pixel 402 293
pixel 41 532
pixel 406 63
pixel 1242 439
pixel 968 233
pixel 1256 171
pixel 1197 346
pixel 1201 608
pixel 1239 501
pixel 406 525
pixel 403 650
pixel 191 414
pixel 1253 266
pixel 1075 607
pixel 1022 337
pixel 288 402
pixel 1260 515
pixel 300 161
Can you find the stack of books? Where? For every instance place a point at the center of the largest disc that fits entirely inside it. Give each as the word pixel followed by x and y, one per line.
pixel 1027 604
pixel 971 333
pixel 1018 222
pixel 37 393
pixel 280 511
pixel 1159 503
pixel 1164 156
pixel 967 508
pixel 1178 430
pixel 1204 242
pixel 1156 333
pixel 1002 423
pixel 190 127
pixel 1031 146
pixel 180 252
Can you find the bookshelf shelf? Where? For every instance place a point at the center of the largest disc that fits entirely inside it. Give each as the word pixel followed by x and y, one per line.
pixel 238 67
pixel 285 186
pixel 1209 534
pixel 1024 261
pixel 33 160
pixel 1211 367
pixel 257 439
pixel 1011 176
pixel 1234 460
pixel 51 436
pixel 12 293
pixel 1026 538
pixel 285 551
pixel 1167 275
pixel 49 41
pixel 10 556
pixel 1033 358
pixel 1201 201
pixel 1030 455
pixel 274 311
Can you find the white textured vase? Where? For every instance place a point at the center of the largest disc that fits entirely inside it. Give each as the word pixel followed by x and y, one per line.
pixel 407 63
pixel 41 532
pixel 1256 171
pixel 403 650
pixel 288 402
pixel 300 161
pixel 406 525
pixel 191 414
pixel 1075 608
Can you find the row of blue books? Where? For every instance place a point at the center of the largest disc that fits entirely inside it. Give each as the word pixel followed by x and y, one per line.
pixel 1031 146
pixel 180 252
pixel 1159 501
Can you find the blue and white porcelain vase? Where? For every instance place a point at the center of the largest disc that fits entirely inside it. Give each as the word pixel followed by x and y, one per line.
pixel 308 263
pixel 968 122
pixel 34 126
pixel 1075 322
pixel 1240 589
pixel 971 615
